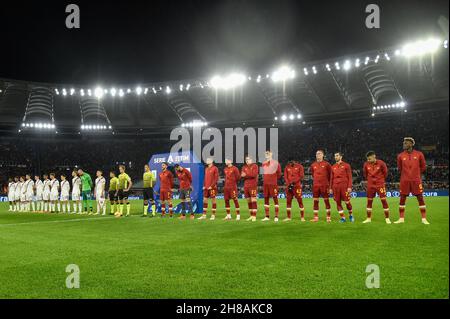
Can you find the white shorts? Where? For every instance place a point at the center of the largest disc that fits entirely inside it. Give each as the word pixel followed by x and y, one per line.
pixel 46 196
pixel 11 197
pixel 54 196
pixel 64 197
pixel 17 197
pixel 29 197
pixel 23 197
pixel 76 196
pixel 39 196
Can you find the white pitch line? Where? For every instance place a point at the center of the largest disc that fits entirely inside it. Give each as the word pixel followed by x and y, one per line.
pixel 57 221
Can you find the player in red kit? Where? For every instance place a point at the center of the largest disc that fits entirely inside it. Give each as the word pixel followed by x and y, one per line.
pixel 165 189
pixel 321 174
pixel 249 173
pixel 375 172
pixel 230 190
pixel 210 188
pixel 411 164
pixel 185 180
pixel 293 176
pixel 271 170
pixel 341 186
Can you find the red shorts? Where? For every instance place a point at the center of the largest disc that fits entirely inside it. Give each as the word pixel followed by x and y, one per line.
pixel 320 191
pixel 165 195
pixel 230 193
pixel 340 194
pixel 416 188
pixel 372 191
pixel 250 192
pixel 295 192
pixel 270 190
pixel 210 193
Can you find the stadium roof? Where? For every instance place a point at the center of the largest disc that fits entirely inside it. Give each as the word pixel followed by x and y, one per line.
pixel 388 80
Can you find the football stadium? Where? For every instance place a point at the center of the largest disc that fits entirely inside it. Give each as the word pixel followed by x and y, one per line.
pixel 280 159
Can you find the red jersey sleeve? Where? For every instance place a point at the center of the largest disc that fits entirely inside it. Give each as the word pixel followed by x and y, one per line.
pixel 399 163
pixel 302 172
pixel 216 175
pixel 171 179
pixel 384 169
pixel 189 176
pixel 279 171
pixel 422 162
pixel 365 171
pixel 349 175
pixel 286 177
pixel 237 175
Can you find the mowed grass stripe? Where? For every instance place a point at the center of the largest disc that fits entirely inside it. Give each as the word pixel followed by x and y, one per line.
pixel 167 258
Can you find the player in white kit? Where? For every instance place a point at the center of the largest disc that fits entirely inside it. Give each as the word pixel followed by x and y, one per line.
pixel 76 193
pixel 65 195
pixel 46 193
pixel 39 189
pixel 16 194
pixel 99 191
pixel 21 194
pixel 54 193
pixel 11 189
pixel 28 190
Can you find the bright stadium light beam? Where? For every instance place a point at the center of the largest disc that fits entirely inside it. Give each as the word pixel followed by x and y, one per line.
pixel 347 65
pixel 113 92
pixel 168 90
pixel 229 82
pixel 284 73
pixel 420 48
pixel 121 93
pixel 138 90
pixel 98 93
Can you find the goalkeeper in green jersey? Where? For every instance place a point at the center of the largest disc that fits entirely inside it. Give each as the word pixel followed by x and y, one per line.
pixel 149 181
pixel 86 187
pixel 123 190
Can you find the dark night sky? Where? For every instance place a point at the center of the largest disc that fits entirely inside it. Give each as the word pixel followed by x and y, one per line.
pixel 145 41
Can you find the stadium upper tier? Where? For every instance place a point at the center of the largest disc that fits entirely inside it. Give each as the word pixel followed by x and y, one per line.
pixel 363 85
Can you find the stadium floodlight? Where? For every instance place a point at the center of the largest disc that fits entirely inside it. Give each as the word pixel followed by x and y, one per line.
pixel 154 90
pixel 145 90
pixel 347 65
pixel 357 63
pixel 314 70
pixel 72 91
pixel 113 92
pixel 373 114
pixel 328 67
pixel 402 104
pixel 181 87
pixel 188 86
pixel 121 93
pixel 283 73
pixel 338 67
pixel 229 82
pixel 128 91
pixel 23 124
pixel 367 60
pixel 299 116
pixel 89 92
pixel 138 90
pixel 82 92
pixel 283 117
pixel 291 117
pixel 64 92
pixel 421 47
pixel 305 70
pixel 386 55
pixel 98 92
pixel 168 90
pixel 110 127
pixel 82 127
pixel 258 79
pixel 446 44
pixel 57 91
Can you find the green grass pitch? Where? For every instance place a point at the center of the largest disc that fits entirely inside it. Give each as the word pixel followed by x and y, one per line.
pixel 166 258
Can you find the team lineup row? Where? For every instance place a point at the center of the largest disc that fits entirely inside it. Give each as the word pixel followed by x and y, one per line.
pixel 50 195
